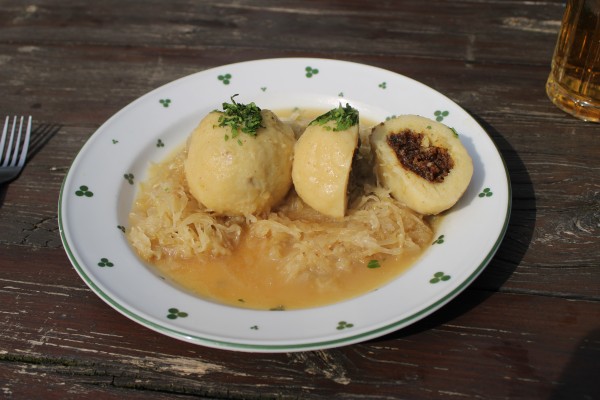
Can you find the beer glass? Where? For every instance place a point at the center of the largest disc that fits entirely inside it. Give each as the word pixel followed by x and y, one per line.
pixel 574 81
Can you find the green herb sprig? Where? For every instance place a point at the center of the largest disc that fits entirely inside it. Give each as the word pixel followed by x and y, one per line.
pixel 344 118
pixel 240 117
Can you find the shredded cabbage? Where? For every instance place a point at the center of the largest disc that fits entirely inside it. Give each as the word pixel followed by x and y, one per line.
pixel 308 243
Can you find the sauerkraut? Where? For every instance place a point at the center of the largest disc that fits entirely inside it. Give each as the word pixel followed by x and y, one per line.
pixel 309 244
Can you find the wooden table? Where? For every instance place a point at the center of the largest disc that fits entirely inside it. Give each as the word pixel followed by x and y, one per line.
pixel 527 328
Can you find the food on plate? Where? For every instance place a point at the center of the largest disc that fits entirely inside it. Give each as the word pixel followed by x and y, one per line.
pixel 239 160
pixel 221 218
pixel 323 158
pixel 422 162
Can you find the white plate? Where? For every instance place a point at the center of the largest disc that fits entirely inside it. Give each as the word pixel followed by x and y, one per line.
pixel 99 189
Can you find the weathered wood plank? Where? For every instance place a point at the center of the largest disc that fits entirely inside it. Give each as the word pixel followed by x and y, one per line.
pixel 53 381
pixel 437 29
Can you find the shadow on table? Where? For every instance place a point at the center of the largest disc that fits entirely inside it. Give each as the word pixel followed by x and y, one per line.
pixel 578 380
pixel 40 135
pixel 508 256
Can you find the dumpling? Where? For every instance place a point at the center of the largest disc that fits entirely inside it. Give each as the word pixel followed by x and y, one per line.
pixel 234 173
pixel 422 162
pixel 323 158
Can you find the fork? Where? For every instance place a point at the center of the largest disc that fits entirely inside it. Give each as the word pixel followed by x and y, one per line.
pixel 13 159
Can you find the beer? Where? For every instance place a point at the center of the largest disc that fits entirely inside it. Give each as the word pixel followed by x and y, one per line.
pixel 574 82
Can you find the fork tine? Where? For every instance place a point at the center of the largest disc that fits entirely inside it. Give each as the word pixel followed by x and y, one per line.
pixel 10 143
pixel 3 139
pixel 13 160
pixel 25 143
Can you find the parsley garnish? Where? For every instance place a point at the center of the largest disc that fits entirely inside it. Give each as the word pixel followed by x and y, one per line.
pixel 241 117
pixel 373 264
pixel 344 118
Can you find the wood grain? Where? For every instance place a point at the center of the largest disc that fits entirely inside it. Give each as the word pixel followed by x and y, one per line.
pixel 527 328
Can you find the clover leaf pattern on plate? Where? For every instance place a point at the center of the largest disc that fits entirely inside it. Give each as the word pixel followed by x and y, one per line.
pixel 105 262
pixel 129 178
pixel 440 115
pixel 344 325
pixel 174 313
pixel 84 191
pixel 487 192
pixel 310 71
pixel 225 78
pixel 439 277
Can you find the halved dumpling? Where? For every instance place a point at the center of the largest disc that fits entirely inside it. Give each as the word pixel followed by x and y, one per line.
pixel 422 162
pixel 323 160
